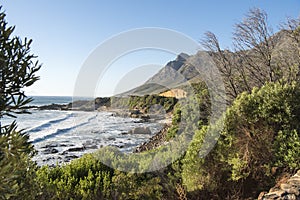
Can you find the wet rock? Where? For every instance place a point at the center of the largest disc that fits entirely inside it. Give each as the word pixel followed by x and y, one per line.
pixel 64 153
pixel 50 151
pixel 76 149
pixel 48 146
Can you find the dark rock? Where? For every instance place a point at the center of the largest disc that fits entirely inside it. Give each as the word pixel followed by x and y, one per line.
pixel 135 112
pixel 50 146
pixel 50 151
pixel 63 153
pixel 119 145
pixel 71 157
pixel 76 149
pixel 54 107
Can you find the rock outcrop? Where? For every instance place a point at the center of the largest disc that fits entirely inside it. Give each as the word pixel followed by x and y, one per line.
pixel 289 190
pixel 177 93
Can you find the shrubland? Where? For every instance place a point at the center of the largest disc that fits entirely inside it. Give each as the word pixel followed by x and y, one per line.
pixel 258 133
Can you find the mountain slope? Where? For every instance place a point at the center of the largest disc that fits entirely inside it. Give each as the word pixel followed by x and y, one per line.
pixel 188 68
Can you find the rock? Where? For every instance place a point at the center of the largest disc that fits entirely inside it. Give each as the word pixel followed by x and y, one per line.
pixel 140 130
pixel 54 107
pixel 135 112
pixel 291 197
pixel 294 180
pixel 76 149
pixel 63 153
pixel 50 151
pixel 91 147
pixel 50 146
pixel 285 186
pixel 145 118
pixel 111 138
pixel 119 146
pixel 261 195
pixel 289 190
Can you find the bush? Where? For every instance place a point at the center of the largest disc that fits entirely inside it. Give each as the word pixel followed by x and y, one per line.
pixel 260 133
pixel 84 178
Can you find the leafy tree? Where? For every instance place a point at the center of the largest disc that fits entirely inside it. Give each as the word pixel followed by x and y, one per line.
pixel 18 69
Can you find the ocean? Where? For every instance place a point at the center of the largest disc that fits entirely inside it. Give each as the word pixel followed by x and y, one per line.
pixel 60 136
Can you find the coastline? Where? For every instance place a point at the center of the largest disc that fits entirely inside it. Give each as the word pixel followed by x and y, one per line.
pixel 60 152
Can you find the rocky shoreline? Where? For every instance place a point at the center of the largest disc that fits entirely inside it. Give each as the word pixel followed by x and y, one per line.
pixel 60 153
pixel 157 140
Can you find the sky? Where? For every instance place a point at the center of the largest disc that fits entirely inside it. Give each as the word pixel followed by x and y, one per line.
pixel 66 32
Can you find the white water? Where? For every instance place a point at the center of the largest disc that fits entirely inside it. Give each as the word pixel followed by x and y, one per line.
pixel 57 134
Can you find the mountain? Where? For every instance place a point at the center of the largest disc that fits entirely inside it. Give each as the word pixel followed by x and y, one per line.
pixel 172 75
pixel 187 68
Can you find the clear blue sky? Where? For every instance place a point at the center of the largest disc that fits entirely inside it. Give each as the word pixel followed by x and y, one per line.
pixel 66 31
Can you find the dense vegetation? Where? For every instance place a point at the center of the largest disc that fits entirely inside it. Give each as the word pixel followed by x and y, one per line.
pixel 144 103
pixel 259 139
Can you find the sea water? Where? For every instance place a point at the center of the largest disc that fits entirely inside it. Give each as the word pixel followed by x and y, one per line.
pixel 60 136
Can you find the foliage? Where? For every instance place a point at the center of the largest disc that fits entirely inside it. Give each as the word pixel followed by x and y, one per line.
pixel 287 145
pixel 17 169
pixel 136 186
pixel 85 178
pixel 190 114
pixel 259 56
pixel 17 70
pixel 144 103
pixel 88 178
pixel 261 132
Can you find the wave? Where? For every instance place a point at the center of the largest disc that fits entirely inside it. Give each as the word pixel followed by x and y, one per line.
pixel 63 130
pixel 50 123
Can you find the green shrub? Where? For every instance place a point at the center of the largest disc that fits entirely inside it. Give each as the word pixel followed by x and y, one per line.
pixel 84 178
pixel 261 131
